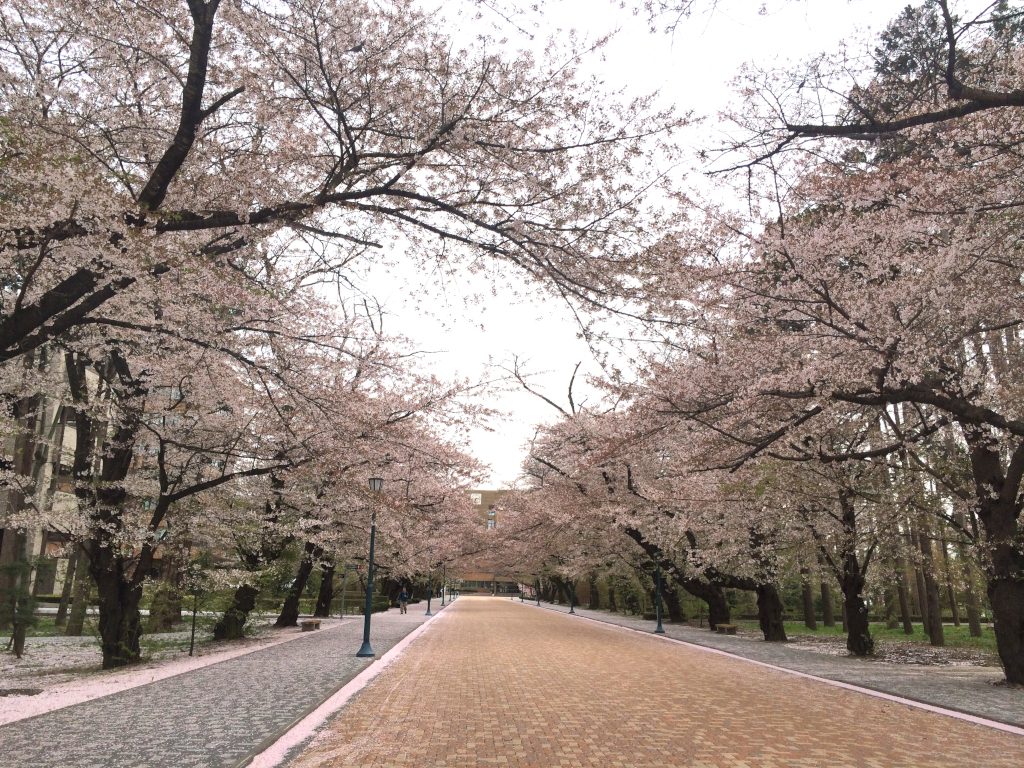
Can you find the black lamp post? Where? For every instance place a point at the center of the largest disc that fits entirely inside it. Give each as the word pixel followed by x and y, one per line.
pixel 659 630
pixel 366 650
pixel 572 599
pixel 430 590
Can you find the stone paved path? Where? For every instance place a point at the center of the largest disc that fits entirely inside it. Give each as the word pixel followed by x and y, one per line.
pixel 213 717
pixel 965 689
pixel 499 683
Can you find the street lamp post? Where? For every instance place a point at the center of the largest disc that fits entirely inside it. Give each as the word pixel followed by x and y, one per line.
pixel 430 590
pixel 366 650
pixel 572 599
pixel 659 630
pixel 444 581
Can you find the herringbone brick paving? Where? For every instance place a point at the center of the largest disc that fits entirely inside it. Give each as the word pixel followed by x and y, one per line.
pixel 498 683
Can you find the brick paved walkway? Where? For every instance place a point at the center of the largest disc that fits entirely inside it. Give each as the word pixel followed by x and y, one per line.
pixel 966 689
pixel 499 683
pixel 213 717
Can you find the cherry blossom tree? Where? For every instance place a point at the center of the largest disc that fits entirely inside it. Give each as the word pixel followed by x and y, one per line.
pixel 153 146
pixel 880 278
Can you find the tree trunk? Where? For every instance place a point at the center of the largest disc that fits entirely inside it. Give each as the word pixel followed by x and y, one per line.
pixel 950 591
pixel 120 620
pixel 968 567
pixel 904 597
pixel 165 610
pixel 289 616
pixel 117 572
pixel 1005 583
pixel 547 592
pixel 80 596
pixel 851 577
pixel 889 600
pixel 828 617
pixel 571 584
pixel 1006 596
pixel 714 596
pixel 611 598
pixel 998 511
pixel 12 564
pixel 674 604
pixel 65 591
pixel 231 625
pixel 326 593
pixel 973 606
pixel 14 553
pixel 769 613
pixel 936 636
pixel 921 591
pixel 858 634
pixel 595 596
pixel 810 620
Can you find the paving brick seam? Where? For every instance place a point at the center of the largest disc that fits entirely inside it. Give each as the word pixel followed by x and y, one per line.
pixel 966 690
pixel 496 686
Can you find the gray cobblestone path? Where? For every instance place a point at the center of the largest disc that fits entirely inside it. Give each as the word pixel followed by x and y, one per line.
pixel 211 717
pixel 964 689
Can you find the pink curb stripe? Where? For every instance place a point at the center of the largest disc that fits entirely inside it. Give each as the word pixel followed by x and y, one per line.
pixel 307 726
pixel 835 683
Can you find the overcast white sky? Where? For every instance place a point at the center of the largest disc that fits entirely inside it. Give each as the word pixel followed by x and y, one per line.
pixel 692 68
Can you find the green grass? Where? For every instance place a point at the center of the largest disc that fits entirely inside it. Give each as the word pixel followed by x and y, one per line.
pixel 956 637
pixel 45 627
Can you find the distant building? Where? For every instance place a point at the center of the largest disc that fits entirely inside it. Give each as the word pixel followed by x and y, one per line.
pixel 487 582
pixel 486 502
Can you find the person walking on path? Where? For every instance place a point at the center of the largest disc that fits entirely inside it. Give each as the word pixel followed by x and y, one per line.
pixel 403 600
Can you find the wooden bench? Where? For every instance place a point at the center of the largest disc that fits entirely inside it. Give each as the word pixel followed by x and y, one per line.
pixel 308 625
pixel 726 629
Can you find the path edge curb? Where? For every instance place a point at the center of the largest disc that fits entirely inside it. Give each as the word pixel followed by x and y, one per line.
pixel 345 691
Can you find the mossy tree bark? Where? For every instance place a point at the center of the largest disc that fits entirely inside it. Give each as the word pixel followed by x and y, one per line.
pixel 231 626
